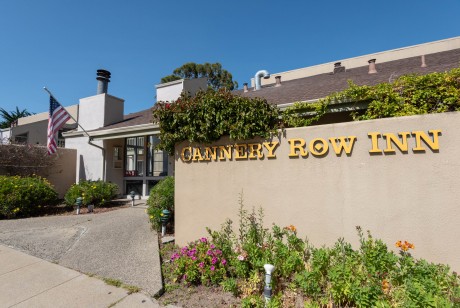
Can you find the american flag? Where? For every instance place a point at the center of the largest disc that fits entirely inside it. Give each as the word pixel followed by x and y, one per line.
pixel 57 118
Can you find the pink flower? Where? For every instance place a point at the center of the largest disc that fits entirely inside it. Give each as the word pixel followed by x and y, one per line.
pixel 209 252
pixel 203 240
pixel 201 264
pixel 214 260
pixel 212 268
pixel 212 246
pixel 240 257
pixel 193 258
pixel 224 262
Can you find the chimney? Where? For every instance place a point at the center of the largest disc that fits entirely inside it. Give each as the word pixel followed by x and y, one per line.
pixel 372 69
pixel 245 87
pixel 278 81
pixel 338 68
pixel 103 79
pixel 423 61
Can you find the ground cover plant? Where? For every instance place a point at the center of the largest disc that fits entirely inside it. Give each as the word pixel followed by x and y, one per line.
pixel 371 275
pixel 161 198
pixel 25 196
pixel 97 193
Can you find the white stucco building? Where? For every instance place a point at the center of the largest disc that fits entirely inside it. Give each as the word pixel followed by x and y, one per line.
pixel 121 148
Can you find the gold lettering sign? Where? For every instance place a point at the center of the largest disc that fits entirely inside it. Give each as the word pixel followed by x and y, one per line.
pixel 380 143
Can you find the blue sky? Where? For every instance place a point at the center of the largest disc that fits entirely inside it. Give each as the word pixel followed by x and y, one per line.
pixel 61 44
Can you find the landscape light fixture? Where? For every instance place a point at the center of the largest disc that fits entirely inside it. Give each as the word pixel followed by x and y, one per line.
pixel 268 280
pixel 133 194
pixel 165 215
pixel 78 202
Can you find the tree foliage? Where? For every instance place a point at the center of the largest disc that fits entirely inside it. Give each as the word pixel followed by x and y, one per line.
pixel 10 117
pixel 217 76
pixel 210 115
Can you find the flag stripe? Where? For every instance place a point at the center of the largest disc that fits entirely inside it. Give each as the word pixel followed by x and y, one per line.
pixel 58 116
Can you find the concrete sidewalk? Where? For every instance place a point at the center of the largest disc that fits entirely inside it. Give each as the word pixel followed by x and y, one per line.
pixel 27 281
pixel 118 244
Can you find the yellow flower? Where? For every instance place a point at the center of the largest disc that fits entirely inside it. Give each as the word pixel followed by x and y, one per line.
pixel 161 214
pixel 151 216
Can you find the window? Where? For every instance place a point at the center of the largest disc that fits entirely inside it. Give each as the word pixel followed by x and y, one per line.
pixel 22 138
pixel 157 160
pixel 117 158
pixel 135 186
pixel 135 156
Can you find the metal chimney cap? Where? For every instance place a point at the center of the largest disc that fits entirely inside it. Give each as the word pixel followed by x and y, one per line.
pixel 103 75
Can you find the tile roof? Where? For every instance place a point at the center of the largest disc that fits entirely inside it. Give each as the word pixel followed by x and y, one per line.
pixel 322 85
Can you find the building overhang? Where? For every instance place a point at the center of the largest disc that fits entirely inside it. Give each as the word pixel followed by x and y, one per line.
pixel 116 133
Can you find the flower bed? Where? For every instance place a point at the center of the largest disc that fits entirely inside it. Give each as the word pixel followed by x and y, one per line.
pixel 370 276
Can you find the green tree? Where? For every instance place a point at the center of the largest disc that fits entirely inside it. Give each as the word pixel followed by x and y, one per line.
pixel 217 76
pixel 10 117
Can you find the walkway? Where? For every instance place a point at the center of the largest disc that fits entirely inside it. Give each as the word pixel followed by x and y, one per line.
pixel 27 281
pixel 118 244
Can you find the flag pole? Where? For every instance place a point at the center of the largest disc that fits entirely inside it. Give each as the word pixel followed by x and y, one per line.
pixel 49 92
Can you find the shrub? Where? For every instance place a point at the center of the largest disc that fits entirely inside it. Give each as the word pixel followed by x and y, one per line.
pixel 161 198
pixel 24 196
pixel 97 193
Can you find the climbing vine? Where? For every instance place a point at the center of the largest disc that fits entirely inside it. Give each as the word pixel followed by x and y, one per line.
pixel 407 95
pixel 209 115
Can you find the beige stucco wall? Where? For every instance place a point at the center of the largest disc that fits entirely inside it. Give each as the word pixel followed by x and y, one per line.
pixel 62 173
pixel 402 196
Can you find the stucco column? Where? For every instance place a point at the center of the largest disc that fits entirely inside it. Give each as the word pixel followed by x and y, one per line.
pixel 144 188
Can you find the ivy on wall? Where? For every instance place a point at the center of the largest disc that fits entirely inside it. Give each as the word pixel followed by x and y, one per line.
pixel 210 115
pixel 407 95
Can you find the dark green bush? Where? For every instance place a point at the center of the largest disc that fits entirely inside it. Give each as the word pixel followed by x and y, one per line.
pixel 92 192
pixel 25 196
pixel 161 198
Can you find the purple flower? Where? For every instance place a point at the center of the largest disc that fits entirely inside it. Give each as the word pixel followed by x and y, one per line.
pixel 184 277
pixel 203 240
pixel 212 246
pixel 209 252
pixel 218 252
pixel 212 268
pixel 193 258
pixel 214 260
pixel 224 262
pixel 201 264
pixel 175 256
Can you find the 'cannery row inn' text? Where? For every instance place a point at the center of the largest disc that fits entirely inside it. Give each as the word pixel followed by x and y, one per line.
pixel 379 143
